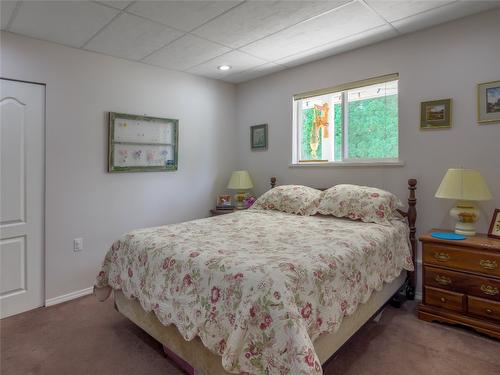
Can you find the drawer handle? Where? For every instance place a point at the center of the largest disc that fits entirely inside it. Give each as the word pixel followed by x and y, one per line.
pixel 442 280
pixel 489 290
pixel 442 299
pixel 442 257
pixel 488 264
pixel 488 311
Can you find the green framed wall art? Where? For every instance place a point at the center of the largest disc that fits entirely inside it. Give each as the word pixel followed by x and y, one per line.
pixel 142 143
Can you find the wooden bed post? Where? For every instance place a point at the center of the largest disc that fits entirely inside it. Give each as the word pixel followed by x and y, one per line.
pixel 412 219
pixel 273 182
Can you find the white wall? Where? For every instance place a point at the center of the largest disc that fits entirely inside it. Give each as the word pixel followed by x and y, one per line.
pixel 82 199
pixel 444 62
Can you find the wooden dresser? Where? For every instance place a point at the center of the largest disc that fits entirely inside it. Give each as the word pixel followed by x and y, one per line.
pixel 461 282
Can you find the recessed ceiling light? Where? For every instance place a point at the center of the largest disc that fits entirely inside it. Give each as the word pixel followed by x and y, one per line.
pixel 224 67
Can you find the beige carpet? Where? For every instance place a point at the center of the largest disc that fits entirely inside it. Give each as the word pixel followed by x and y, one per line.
pixel 88 337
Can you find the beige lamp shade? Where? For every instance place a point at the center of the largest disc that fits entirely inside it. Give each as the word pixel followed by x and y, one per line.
pixel 463 184
pixel 240 180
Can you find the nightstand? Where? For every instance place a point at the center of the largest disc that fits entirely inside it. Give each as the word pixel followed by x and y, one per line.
pixel 461 282
pixel 216 212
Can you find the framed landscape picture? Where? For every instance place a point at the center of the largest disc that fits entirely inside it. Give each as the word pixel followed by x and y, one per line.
pixel 142 143
pixel 435 114
pixel 258 137
pixel 488 102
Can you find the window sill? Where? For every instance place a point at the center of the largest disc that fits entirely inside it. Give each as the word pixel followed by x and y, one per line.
pixel 334 164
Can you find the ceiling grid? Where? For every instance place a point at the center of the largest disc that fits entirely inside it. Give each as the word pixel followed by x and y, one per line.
pixel 255 38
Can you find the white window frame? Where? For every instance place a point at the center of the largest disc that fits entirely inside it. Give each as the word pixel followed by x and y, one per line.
pixel 296 137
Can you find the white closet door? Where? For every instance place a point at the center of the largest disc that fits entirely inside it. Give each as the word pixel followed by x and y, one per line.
pixel 22 163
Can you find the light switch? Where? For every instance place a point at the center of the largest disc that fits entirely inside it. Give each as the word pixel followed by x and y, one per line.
pixel 78 244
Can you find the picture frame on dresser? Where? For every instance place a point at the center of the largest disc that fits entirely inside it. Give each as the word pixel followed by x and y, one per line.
pixel 494 231
pixel 142 143
pixel 224 201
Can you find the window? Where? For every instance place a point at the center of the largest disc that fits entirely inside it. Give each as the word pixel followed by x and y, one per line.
pixel 356 122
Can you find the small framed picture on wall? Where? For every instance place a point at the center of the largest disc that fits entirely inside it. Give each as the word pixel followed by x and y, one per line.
pixel 435 114
pixel 258 137
pixel 488 102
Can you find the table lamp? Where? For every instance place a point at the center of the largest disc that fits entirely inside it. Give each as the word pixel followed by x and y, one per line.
pixel 466 186
pixel 240 181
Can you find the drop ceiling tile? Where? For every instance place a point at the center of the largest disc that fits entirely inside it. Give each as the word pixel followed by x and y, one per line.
pixel 182 15
pixel 340 23
pixel 261 70
pixel 239 62
pixel 185 53
pixel 66 22
pixel 116 3
pixel 395 10
pixel 365 38
pixel 256 19
pixel 6 10
pixel 132 37
pixel 443 14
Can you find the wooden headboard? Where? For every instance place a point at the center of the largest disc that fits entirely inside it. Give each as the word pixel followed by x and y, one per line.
pixel 411 215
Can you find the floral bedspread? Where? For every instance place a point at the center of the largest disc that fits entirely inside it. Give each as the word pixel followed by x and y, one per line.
pixel 258 287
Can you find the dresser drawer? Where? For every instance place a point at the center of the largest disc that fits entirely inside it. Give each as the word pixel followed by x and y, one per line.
pixel 455 257
pixel 484 307
pixel 479 286
pixel 442 298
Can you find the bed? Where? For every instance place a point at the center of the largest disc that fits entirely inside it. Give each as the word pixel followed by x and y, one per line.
pixel 259 291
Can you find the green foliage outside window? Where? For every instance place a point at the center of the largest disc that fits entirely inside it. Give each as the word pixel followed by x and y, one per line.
pixel 373 128
pixel 337 115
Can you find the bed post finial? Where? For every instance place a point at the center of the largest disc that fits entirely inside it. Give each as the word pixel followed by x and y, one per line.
pixel 273 182
pixel 412 219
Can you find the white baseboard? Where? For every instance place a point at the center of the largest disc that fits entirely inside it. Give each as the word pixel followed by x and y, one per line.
pixel 68 297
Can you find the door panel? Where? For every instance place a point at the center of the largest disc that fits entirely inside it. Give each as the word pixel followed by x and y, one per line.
pixel 12 162
pixel 13 260
pixel 22 162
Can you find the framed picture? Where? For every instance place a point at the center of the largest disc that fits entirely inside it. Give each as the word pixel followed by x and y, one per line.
pixel 488 102
pixel 494 230
pixel 224 201
pixel 435 114
pixel 142 143
pixel 258 137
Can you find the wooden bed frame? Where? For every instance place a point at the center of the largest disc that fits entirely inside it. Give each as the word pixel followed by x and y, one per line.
pixel 408 287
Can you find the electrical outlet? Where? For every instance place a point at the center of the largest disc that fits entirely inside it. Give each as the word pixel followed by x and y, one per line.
pixel 78 244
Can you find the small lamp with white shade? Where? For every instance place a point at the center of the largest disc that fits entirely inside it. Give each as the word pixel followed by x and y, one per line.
pixel 240 181
pixel 465 186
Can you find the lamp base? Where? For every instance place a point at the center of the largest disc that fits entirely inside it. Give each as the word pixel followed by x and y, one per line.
pixel 470 231
pixel 466 214
pixel 239 198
